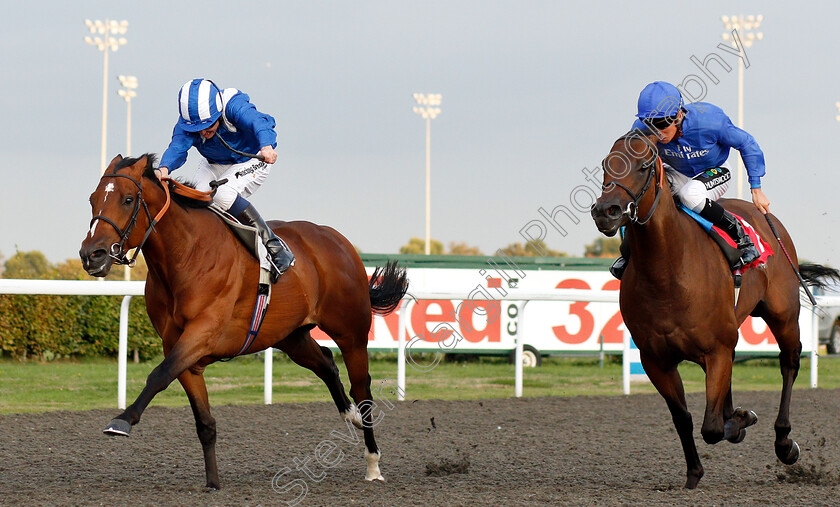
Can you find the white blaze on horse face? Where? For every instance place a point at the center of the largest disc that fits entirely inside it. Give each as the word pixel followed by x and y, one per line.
pixel 93 226
pixel 108 189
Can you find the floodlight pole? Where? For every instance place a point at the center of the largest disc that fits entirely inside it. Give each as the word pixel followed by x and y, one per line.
pixel 105 42
pixel 428 111
pixel 127 92
pixel 744 26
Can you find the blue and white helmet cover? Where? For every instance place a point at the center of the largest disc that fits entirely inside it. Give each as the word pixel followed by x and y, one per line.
pixel 200 104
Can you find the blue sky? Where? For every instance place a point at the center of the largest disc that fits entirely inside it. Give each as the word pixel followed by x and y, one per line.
pixel 533 93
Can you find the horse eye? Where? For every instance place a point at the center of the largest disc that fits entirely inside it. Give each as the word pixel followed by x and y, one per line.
pixel 129 200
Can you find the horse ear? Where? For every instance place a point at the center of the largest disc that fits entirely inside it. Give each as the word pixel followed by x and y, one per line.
pixel 115 161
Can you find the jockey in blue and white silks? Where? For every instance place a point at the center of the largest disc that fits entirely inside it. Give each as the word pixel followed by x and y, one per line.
pixel 694 143
pixel 209 116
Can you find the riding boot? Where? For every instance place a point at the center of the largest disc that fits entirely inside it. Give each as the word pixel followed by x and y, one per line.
pixel 279 255
pixel 727 222
pixel 620 264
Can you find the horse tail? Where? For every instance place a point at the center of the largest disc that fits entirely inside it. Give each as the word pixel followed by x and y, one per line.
pixel 388 285
pixel 816 275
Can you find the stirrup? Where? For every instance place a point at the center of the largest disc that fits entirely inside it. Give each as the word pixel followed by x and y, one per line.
pixel 279 256
pixel 749 253
pixel 618 267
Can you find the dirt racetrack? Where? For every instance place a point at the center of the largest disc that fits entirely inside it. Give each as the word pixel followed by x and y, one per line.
pixel 532 451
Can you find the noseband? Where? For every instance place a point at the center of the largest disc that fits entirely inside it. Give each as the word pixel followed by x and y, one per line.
pixel 632 210
pixel 117 250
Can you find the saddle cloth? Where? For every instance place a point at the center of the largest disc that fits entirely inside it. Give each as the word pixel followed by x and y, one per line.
pixel 727 244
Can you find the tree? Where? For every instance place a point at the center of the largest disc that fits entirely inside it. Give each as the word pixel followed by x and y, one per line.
pixel 418 246
pixel 463 249
pixel 529 250
pixel 27 265
pixel 603 247
pixel 71 269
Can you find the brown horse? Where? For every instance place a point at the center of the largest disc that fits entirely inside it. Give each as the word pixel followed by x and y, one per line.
pixel 678 300
pixel 202 287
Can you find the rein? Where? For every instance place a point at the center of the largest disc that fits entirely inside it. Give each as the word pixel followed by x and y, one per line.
pixel 242 153
pixel 633 207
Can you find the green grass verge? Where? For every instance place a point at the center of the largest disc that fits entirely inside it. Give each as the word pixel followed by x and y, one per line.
pixel 90 384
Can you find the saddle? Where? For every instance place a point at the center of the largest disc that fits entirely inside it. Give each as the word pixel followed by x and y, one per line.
pixel 727 245
pixel 246 234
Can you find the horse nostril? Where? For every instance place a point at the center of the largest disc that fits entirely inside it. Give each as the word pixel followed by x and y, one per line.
pixel 95 257
pixel 613 212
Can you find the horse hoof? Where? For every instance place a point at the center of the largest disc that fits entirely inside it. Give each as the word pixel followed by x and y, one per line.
pixel 118 427
pixel 692 480
pixel 749 417
pixel 375 478
pixel 792 455
pixel 737 439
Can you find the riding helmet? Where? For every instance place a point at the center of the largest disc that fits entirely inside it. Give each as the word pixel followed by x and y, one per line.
pixel 659 100
pixel 200 104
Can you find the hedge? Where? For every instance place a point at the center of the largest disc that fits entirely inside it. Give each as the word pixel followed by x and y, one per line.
pixel 49 327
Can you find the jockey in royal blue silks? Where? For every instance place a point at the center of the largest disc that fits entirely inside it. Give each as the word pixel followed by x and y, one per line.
pixel 208 114
pixel 694 143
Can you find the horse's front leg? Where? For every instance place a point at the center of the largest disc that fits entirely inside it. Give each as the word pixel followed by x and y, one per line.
pixel 668 382
pixel 193 382
pixel 190 347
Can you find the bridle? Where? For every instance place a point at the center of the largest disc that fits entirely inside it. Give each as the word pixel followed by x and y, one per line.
pixel 117 250
pixel 632 210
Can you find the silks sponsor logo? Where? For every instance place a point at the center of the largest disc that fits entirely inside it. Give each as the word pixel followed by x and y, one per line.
pixel 686 154
pixel 710 184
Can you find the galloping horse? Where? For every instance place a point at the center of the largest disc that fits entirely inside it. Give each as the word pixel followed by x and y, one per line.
pixel 678 299
pixel 202 287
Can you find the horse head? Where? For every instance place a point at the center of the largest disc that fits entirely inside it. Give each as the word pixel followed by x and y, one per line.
pixel 630 169
pixel 118 224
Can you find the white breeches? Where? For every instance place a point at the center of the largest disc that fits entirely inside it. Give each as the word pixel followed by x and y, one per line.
pixel 691 192
pixel 251 175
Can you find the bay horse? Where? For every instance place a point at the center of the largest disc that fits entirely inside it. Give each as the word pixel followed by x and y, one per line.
pixel 677 297
pixel 202 287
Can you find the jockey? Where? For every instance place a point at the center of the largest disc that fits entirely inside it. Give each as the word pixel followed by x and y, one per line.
pixel 694 143
pixel 207 114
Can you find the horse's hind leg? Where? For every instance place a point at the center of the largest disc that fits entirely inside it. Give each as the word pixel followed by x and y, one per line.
pixel 356 359
pixel 193 382
pixel 304 351
pixel 669 384
pixel 786 331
